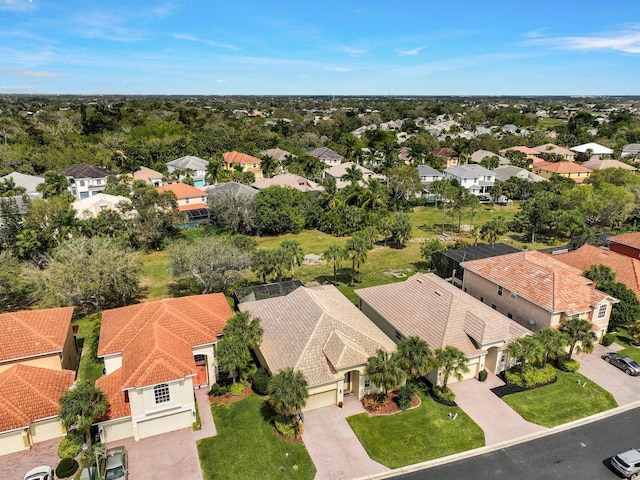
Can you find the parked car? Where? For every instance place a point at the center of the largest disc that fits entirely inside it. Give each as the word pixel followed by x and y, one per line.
pixel 627 463
pixel 116 464
pixel 627 364
pixel 43 472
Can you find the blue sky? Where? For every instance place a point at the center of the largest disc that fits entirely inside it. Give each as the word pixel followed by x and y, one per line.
pixel 325 47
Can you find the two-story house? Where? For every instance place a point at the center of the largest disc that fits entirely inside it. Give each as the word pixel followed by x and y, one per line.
pixel 155 354
pixel 326 155
pixel 85 180
pixel 195 167
pixel 191 200
pixel 475 178
pixel 241 161
pixel 537 291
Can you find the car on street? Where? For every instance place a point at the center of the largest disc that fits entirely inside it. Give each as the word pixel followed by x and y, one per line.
pixel 627 463
pixel 43 472
pixel 627 364
pixel 116 464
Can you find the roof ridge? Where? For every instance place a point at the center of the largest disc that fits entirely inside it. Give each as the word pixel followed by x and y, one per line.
pixel 315 329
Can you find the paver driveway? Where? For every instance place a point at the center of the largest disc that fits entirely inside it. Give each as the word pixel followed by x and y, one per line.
pixel 625 389
pixel 15 465
pixel 332 445
pixel 498 421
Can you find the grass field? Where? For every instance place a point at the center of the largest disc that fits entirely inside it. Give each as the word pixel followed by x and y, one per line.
pixel 550 123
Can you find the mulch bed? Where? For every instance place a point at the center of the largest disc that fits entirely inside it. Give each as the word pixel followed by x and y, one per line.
pixel 285 439
pixel 228 398
pixel 392 405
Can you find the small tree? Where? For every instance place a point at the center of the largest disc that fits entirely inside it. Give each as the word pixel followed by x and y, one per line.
pixel 600 274
pixel 241 334
pixel 80 407
pixel 552 343
pixel 527 348
pixel 335 253
pixel 492 230
pixel 384 371
pixel 414 357
pixel 288 392
pixel 580 336
pixel 451 362
pixel 294 254
pixel 430 247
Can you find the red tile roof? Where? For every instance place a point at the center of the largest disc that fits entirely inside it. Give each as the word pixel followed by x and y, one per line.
pixel 238 157
pixel 192 206
pixel 33 332
pixel 111 386
pixel 628 239
pixel 445 152
pixel 30 393
pixel 627 269
pixel 539 278
pixel 562 167
pixel 181 190
pixel 523 149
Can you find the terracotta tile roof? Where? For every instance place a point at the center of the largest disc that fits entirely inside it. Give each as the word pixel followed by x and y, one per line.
pixel 441 314
pixel 445 152
pixel 627 268
pixel 629 239
pixel 33 332
pixel 316 331
pixel 111 385
pixel 31 393
pixel 562 167
pixel 181 190
pixel 238 157
pixel 541 279
pixel 523 149
pixel 192 206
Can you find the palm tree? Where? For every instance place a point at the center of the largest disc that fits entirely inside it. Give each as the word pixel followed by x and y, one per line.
pixel 241 334
pixel 357 249
pixel 415 357
pixel 294 254
pixel 269 165
pixel 375 197
pixel 214 168
pixel 600 274
pixel 260 264
pixel 80 407
pixel 384 371
pixel 352 174
pixel 8 188
pixel 451 362
pixel 579 334
pixel 334 253
pixel 492 230
pixel 526 348
pixel 288 392
pixel 552 343
pixel 248 329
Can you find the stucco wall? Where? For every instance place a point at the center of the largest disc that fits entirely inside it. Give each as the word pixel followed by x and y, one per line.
pixel 208 350
pixel 69 352
pixel 112 363
pixel 116 430
pixel 12 442
pixel 46 430
pixel 51 362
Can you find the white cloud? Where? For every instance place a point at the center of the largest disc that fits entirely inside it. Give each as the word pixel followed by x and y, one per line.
pixel 16 5
pixel 409 52
pixel 191 38
pixel 22 73
pixel 165 9
pixel 355 52
pixel 626 41
pixel 104 26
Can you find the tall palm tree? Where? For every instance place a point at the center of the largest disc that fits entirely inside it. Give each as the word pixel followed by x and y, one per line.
pixel 214 169
pixel 579 334
pixel 294 254
pixel 357 249
pixel 334 253
pixel 232 355
pixel 375 196
pixel 288 392
pixel 526 348
pixel 384 371
pixel 269 165
pixel 352 174
pixel 552 343
pixel 81 406
pixel 451 362
pixel 415 357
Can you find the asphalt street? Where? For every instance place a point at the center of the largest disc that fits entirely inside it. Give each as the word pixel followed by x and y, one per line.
pixel 581 453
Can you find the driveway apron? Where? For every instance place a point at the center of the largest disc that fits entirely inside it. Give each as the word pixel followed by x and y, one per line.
pixel 332 445
pixel 498 421
pixel 15 465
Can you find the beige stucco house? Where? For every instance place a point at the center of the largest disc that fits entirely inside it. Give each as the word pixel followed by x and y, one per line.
pixel 441 314
pixel 320 333
pixel 91 207
pixel 155 354
pixel 537 291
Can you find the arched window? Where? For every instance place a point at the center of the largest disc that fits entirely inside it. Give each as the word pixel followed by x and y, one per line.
pixel 161 393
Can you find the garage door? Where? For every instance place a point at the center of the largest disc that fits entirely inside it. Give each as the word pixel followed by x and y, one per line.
pixel 165 424
pixel 319 400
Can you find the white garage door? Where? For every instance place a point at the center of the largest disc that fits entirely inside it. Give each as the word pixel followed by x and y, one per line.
pixel 319 400
pixel 165 424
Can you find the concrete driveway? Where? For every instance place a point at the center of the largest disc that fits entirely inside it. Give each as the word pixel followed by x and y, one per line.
pixel 498 421
pixel 625 389
pixel 15 465
pixel 332 445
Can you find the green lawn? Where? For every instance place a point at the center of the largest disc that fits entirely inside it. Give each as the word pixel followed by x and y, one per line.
pixel 90 369
pixel 550 123
pixel 246 447
pixel 562 401
pixel 155 278
pixel 624 339
pixel 417 435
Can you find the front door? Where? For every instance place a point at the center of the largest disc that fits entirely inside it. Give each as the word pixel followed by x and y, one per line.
pixel 201 377
pixel 346 388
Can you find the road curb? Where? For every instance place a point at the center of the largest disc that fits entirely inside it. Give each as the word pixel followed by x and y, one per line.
pixel 498 446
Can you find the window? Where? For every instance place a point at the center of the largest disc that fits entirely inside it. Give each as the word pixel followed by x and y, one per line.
pixel 482 299
pixel 186 200
pixel 493 305
pixel 161 393
pixel 602 311
pixel 398 335
pixel 510 315
pixel 367 383
pixel 82 183
pixel 499 291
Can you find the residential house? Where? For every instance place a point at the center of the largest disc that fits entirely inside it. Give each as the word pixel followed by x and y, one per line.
pixel 191 200
pixel 626 244
pixel 155 354
pixel 441 314
pixel 592 149
pixel 448 155
pixel 241 161
pixel 327 156
pixel 320 333
pixel 90 207
pixel 531 155
pixel 288 180
pixel 339 171
pixel 537 291
pixel 576 172
pixel 85 180
pixel 233 188
pixel 475 178
pixel 506 172
pixel 550 148
pixel 601 164
pixel 28 182
pixel 630 150
pixel 627 269
pixel 149 176
pixel 190 166
pixel 38 356
pixel 277 154
pixel 479 155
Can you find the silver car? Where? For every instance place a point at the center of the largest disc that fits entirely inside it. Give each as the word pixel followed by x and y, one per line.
pixel 116 465
pixel 44 472
pixel 627 463
pixel 627 364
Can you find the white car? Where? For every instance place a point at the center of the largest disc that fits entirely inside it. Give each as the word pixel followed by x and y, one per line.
pixel 43 472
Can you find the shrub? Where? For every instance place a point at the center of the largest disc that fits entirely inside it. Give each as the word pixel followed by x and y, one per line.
pixel 218 390
pixel 567 365
pixel 443 395
pixel 285 426
pixel 405 395
pixel 374 401
pixel 482 375
pixel 608 339
pixel 530 377
pixel 66 468
pixel 260 381
pixel 71 445
pixel 236 389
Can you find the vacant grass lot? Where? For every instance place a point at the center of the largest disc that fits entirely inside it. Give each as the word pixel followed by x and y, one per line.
pixel 417 435
pixel 246 447
pixel 561 402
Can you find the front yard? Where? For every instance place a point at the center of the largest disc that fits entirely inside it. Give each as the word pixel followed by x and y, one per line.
pixel 566 400
pixel 246 446
pixel 417 435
